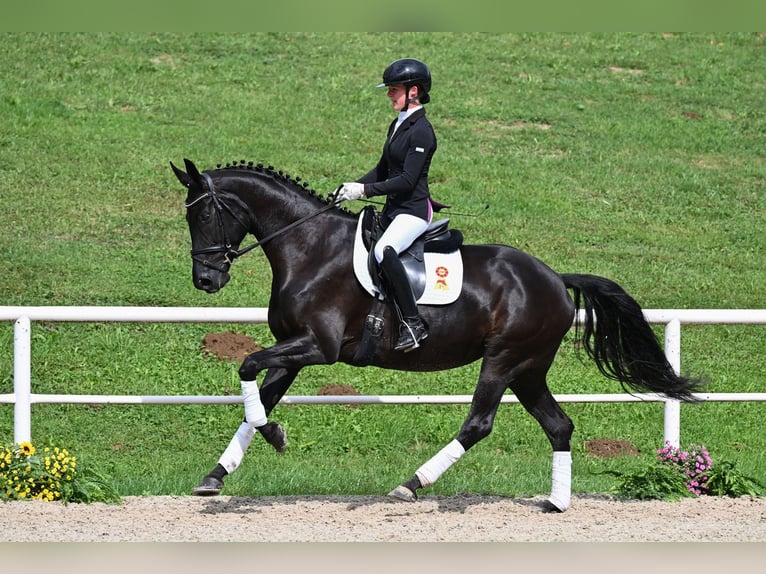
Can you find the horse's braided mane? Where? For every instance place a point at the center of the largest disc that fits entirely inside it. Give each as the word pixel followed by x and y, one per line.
pixel 277 175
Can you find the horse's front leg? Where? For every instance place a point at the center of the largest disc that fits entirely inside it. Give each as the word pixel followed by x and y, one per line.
pixel 259 403
pixel 275 385
pixel 283 361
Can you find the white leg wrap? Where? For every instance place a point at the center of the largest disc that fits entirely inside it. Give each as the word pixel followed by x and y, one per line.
pixel 234 453
pixel 561 489
pixel 255 413
pixel 445 458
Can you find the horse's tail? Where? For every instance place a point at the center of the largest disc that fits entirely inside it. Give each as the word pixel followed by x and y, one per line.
pixel 618 338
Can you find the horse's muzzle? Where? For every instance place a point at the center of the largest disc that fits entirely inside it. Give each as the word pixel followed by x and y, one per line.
pixel 209 280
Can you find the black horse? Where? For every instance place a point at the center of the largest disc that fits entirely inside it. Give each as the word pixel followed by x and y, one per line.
pixel 513 312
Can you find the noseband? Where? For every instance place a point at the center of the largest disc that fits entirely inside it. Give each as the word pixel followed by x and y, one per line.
pixel 226 247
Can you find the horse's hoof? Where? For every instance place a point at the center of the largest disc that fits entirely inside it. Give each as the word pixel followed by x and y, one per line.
pixel 403 493
pixel 275 435
pixel 210 486
pixel 550 506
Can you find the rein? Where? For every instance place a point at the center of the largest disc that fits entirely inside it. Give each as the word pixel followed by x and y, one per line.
pixel 284 230
pixel 227 248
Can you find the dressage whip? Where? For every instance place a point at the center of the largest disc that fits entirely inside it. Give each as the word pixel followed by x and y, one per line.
pixel 446 209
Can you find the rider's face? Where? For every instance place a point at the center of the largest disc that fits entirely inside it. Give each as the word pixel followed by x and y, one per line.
pixel 398 95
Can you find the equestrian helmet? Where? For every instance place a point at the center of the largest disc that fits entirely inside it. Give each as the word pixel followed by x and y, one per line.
pixel 408 71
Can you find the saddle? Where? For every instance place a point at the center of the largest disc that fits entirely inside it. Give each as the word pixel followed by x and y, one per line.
pixel 433 262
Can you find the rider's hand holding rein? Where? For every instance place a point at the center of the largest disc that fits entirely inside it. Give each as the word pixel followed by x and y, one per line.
pixel 349 192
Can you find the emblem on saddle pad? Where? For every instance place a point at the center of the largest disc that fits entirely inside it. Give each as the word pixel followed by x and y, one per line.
pixel 434 263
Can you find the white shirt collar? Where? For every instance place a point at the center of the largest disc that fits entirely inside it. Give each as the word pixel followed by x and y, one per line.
pixel 404 115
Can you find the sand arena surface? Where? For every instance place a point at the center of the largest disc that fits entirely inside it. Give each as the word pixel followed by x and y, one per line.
pixel 469 518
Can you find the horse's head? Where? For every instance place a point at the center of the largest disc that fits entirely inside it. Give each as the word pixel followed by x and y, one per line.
pixel 215 225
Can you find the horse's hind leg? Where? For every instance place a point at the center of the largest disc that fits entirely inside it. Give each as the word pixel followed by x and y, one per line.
pixel 531 389
pixel 533 393
pixel 274 386
pixel 478 425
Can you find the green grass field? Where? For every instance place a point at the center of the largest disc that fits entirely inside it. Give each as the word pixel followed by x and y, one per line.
pixel 639 157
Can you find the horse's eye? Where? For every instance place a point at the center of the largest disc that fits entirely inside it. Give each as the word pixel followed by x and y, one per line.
pixel 204 217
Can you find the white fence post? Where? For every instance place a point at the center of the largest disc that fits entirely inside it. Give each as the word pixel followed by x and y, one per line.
pixel 22 380
pixel 672 406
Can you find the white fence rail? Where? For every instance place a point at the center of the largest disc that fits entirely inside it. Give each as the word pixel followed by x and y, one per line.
pixel 22 397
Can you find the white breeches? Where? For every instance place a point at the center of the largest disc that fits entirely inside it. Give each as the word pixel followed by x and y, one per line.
pixel 400 234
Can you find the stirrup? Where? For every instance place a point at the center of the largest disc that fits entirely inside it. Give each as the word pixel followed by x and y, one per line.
pixel 411 336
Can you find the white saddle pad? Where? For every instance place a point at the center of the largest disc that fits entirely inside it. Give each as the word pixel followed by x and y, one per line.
pixel 444 273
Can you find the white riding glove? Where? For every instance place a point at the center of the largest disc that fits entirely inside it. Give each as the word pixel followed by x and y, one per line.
pixel 350 191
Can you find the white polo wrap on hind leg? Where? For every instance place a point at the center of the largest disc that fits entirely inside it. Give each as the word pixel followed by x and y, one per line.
pixel 561 489
pixel 439 463
pixel 255 413
pixel 235 452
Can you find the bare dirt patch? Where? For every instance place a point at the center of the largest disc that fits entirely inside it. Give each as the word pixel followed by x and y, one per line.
pixel 228 346
pixel 339 390
pixel 610 448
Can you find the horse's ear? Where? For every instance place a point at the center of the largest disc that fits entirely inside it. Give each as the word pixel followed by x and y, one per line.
pixel 182 176
pixel 192 169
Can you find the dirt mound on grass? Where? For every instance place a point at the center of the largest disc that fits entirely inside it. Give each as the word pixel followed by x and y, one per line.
pixel 610 448
pixel 228 346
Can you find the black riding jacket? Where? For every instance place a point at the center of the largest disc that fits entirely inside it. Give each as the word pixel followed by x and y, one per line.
pixel 402 171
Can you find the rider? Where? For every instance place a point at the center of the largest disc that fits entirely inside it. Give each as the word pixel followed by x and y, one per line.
pixel 402 176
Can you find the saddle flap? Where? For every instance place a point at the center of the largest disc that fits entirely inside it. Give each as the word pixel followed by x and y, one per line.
pixel 369 222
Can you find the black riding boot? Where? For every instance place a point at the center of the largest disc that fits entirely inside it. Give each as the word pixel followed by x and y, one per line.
pixel 412 330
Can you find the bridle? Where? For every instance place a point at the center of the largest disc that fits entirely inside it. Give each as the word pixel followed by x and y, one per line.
pixel 226 246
